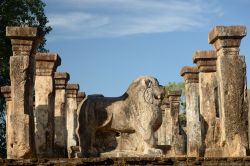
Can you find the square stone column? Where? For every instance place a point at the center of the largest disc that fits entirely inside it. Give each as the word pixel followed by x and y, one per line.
pixel 169 124
pixel 60 146
pixel 209 102
pixel 71 111
pixel 178 140
pixel 21 76
pixel 46 64
pixel 191 78
pixel 80 96
pixel 231 76
pixel 6 91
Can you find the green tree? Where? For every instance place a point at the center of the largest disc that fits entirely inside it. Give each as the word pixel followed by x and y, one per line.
pixel 17 13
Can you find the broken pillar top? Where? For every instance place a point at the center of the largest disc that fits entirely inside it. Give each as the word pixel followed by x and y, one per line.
pixel 175 93
pixel 190 74
pixel 22 39
pixel 6 91
pixel 80 96
pixel 226 36
pixel 46 63
pixel 174 96
pixel 165 103
pixel 61 79
pixel 205 60
pixel 72 90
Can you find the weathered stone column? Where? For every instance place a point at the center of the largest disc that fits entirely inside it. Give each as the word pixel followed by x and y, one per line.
pixel 231 76
pixel 190 75
pixel 46 64
pixel 71 110
pixel 178 146
pixel 60 148
pixel 6 91
pixel 209 103
pixel 21 76
pixel 80 96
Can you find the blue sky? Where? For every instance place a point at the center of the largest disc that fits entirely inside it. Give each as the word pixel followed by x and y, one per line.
pixel 105 44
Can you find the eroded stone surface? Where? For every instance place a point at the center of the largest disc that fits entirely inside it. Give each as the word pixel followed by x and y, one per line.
pixel 124 124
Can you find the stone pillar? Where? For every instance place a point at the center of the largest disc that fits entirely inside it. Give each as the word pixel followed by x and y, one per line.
pixel 80 96
pixel 60 144
pixel 209 103
pixel 6 91
pixel 46 64
pixel 231 76
pixel 71 111
pixel 21 76
pixel 162 130
pixel 169 125
pixel 178 142
pixel 190 75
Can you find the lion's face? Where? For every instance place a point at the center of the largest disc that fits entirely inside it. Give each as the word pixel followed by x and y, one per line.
pixel 148 90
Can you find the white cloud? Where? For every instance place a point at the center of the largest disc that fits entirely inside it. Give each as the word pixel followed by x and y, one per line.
pixel 114 18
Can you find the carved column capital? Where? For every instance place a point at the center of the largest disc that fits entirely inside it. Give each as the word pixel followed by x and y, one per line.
pixel 205 60
pixel 227 37
pixel 22 39
pixel 72 90
pixel 6 91
pixel 46 63
pixel 174 96
pixel 61 79
pixel 80 96
pixel 190 74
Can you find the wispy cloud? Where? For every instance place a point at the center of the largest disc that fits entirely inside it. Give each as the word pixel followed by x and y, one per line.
pixel 114 18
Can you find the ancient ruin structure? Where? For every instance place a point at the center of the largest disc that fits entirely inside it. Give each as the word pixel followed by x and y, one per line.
pixel 48 117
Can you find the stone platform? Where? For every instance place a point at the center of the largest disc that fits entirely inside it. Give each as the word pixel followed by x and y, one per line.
pixel 132 161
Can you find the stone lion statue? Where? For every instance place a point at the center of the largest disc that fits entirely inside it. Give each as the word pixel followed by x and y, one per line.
pixel 122 124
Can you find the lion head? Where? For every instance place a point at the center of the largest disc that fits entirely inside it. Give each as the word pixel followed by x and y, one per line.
pixel 146 95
